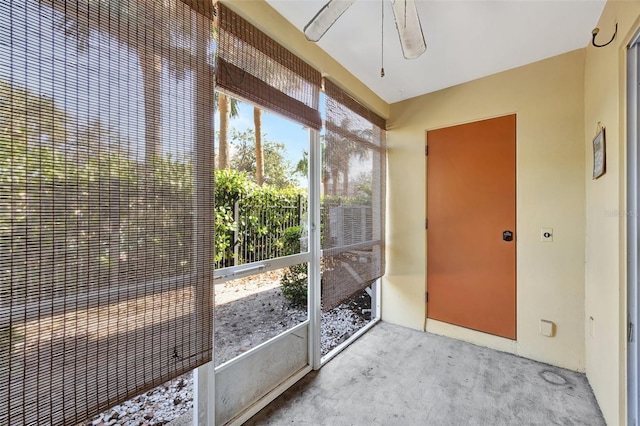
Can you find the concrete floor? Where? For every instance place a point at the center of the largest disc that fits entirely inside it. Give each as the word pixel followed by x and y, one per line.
pixel 397 376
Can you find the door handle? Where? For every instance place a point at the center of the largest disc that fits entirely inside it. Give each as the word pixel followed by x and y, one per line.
pixel 507 236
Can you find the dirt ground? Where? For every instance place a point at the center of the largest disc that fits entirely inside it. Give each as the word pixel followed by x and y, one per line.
pixel 252 310
pixel 249 312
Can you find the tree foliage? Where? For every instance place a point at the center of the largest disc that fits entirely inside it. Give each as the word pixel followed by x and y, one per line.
pixel 28 117
pixel 251 221
pixel 294 279
pixel 158 20
pixel 98 214
pixel 278 171
pixel 91 220
pixel 340 149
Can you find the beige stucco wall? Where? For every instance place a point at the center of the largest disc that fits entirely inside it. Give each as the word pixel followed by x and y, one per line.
pixel 547 97
pixel 605 276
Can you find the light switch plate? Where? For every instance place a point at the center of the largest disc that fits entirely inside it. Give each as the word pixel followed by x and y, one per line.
pixel 546 235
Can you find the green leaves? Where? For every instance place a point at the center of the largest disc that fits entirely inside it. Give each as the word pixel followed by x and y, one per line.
pixel 27 117
pixel 251 221
pixel 294 284
pixel 278 171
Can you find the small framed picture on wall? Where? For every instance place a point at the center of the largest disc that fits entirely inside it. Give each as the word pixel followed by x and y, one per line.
pixel 599 155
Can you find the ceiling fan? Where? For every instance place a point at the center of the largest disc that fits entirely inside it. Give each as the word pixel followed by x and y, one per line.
pixel 404 11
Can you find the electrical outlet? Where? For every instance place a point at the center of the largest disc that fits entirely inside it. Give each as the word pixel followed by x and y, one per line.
pixel 547 328
pixel 546 235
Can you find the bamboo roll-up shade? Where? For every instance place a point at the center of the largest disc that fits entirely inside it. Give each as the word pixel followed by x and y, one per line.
pixel 252 66
pixel 106 212
pixel 354 165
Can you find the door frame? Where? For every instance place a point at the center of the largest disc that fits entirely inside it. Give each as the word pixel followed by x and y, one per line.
pixel 426 212
pixel 633 227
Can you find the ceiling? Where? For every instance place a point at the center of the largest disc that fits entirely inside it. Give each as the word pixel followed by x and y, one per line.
pixel 466 40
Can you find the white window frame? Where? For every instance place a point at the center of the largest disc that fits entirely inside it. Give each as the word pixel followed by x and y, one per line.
pixel 633 227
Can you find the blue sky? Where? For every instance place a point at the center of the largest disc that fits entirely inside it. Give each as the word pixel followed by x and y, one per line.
pixel 275 128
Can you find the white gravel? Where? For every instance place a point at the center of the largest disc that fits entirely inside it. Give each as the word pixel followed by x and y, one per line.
pixel 338 325
pixel 165 403
pixel 157 407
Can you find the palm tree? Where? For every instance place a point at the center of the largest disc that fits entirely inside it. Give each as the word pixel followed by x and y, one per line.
pixel 339 151
pixel 161 23
pixel 223 148
pixel 151 68
pixel 228 108
pixel 146 15
pixel 257 122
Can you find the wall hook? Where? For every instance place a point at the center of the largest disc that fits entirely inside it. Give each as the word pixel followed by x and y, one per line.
pixel 595 32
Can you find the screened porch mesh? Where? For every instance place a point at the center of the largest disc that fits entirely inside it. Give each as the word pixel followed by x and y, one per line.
pixel 354 164
pixel 106 157
pixel 252 66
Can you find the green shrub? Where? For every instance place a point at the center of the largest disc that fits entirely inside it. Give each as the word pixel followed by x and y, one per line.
pixel 263 215
pixel 108 211
pixel 295 278
pixel 291 240
pixel 294 284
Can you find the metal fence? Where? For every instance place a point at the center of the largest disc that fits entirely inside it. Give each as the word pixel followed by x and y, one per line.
pixel 262 231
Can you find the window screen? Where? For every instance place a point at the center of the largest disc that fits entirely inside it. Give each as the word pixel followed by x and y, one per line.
pixel 106 157
pixel 354 164
pixel 252 66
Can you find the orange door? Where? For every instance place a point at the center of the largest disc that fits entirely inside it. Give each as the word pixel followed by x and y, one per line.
pixel 471 202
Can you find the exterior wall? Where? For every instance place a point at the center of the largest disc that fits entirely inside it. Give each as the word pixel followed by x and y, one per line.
pixel 605 268
pixel 547 97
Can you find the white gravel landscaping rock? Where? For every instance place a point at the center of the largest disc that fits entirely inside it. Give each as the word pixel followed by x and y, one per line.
pixel 165 403
pixel 157 407
pixel 338 325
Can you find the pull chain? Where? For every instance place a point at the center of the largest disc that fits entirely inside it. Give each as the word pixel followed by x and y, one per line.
pixel 382 39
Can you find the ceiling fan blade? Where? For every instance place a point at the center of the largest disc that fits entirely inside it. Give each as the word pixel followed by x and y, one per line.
pixel 325 18
pixel 409 28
